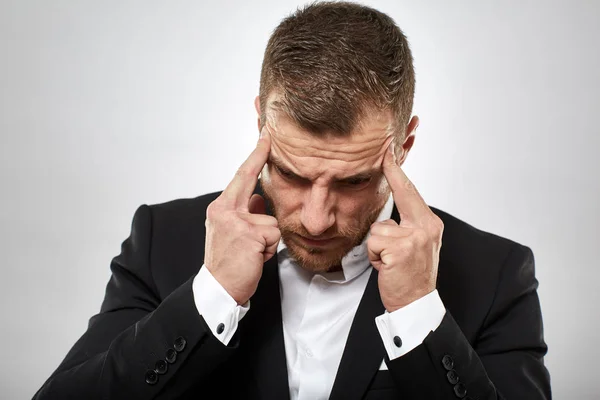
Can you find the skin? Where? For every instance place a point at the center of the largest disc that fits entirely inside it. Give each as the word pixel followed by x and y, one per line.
pixel 318 202
pixel 307 182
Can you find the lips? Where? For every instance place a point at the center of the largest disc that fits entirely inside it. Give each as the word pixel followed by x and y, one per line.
pixel 317 242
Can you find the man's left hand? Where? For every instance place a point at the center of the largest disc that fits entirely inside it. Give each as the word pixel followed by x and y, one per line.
pixel 406 254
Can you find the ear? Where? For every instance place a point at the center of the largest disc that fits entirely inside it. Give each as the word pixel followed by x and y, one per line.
pixel 409 140
pixel 257 107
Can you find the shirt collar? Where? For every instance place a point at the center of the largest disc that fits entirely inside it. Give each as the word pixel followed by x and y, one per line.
pixel 356 261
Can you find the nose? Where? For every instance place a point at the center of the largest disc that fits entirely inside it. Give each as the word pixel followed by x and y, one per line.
pixel 317 215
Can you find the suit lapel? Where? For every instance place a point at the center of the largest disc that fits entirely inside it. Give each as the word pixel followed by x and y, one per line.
pixel 362 355
pixel 263 343
pixel 364 351
pixel 265 347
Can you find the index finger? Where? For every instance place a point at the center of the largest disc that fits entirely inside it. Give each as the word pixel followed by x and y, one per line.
pixel 410 204
pixel 241 187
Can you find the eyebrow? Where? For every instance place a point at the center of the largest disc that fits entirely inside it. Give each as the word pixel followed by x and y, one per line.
pixel 356 177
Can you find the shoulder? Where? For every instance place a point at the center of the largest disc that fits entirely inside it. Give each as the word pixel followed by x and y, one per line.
pixel 180 222
pixel 473 265
pixel 184 208
pixel 176 234
pixel 462 241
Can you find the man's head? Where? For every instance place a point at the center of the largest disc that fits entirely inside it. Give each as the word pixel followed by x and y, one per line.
pixel 337 87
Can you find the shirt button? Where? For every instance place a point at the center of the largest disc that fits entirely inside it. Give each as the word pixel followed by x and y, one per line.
pixel 309 353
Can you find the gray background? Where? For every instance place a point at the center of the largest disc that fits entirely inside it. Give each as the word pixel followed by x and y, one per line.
pixel 106 105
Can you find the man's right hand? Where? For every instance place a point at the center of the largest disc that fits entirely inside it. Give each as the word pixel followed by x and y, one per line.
pixel 240 237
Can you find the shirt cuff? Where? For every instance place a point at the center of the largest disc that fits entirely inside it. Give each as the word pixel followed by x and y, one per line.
pixel 407 327
pixel 220 311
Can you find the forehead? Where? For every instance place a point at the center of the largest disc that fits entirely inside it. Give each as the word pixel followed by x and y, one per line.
pixel 301 148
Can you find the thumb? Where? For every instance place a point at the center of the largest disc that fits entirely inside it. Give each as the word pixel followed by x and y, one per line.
pixel 256 205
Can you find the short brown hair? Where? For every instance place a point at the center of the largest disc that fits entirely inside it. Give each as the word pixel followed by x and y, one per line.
pixel 332 62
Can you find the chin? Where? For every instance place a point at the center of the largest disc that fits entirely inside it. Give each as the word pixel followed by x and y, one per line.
pixel 315 260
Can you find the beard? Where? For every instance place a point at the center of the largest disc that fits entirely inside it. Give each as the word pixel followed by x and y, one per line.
pixel 316 259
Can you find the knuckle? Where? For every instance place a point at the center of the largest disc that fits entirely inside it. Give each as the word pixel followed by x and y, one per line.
pixel 371 241
pixel 273 236
pixel 435 227
pixel 214 209
pixel 385 230
pixel 389 261
pixel 256 246
pixel 244 172
pixel 242 228
pixel 409 186
pixel 210 211
pixel 439 225
pixel 382 229
pixel 420 238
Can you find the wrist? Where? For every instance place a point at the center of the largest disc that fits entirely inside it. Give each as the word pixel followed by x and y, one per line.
pixel 239 296
pixel 397 304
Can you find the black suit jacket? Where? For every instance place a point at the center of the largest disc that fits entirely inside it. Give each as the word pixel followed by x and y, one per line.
pixel 149 342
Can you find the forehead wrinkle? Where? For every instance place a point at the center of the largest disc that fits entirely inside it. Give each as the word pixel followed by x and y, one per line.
pixel 301 147
pixel 331 169
pixel 346 153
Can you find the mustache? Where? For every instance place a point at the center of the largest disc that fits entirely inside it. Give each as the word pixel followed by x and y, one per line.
pixel 288 225
pixel 354 231
pixel 294 227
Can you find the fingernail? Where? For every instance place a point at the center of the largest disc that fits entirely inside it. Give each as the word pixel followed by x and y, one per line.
pixel 393 148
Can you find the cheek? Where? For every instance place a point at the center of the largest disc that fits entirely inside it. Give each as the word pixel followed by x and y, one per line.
pixel 286 197
pixel 350 206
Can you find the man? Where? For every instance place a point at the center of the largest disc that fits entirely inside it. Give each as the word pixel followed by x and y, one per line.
pixel 326 276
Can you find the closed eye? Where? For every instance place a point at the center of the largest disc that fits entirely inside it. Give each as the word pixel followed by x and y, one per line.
pixel 356 181
pixel 283 172
pixel 288 174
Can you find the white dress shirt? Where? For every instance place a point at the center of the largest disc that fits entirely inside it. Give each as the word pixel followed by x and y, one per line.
pixel 317 313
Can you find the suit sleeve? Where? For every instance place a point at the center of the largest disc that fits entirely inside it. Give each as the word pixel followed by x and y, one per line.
pixel 505 361
pixel 138 345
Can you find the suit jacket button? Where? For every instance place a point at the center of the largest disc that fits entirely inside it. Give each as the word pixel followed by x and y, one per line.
pixel 460 390
pixel 151 377
pixel 452 377
pixel 161 367
pixel 171 356
pixel 448 362
pixel 180 344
